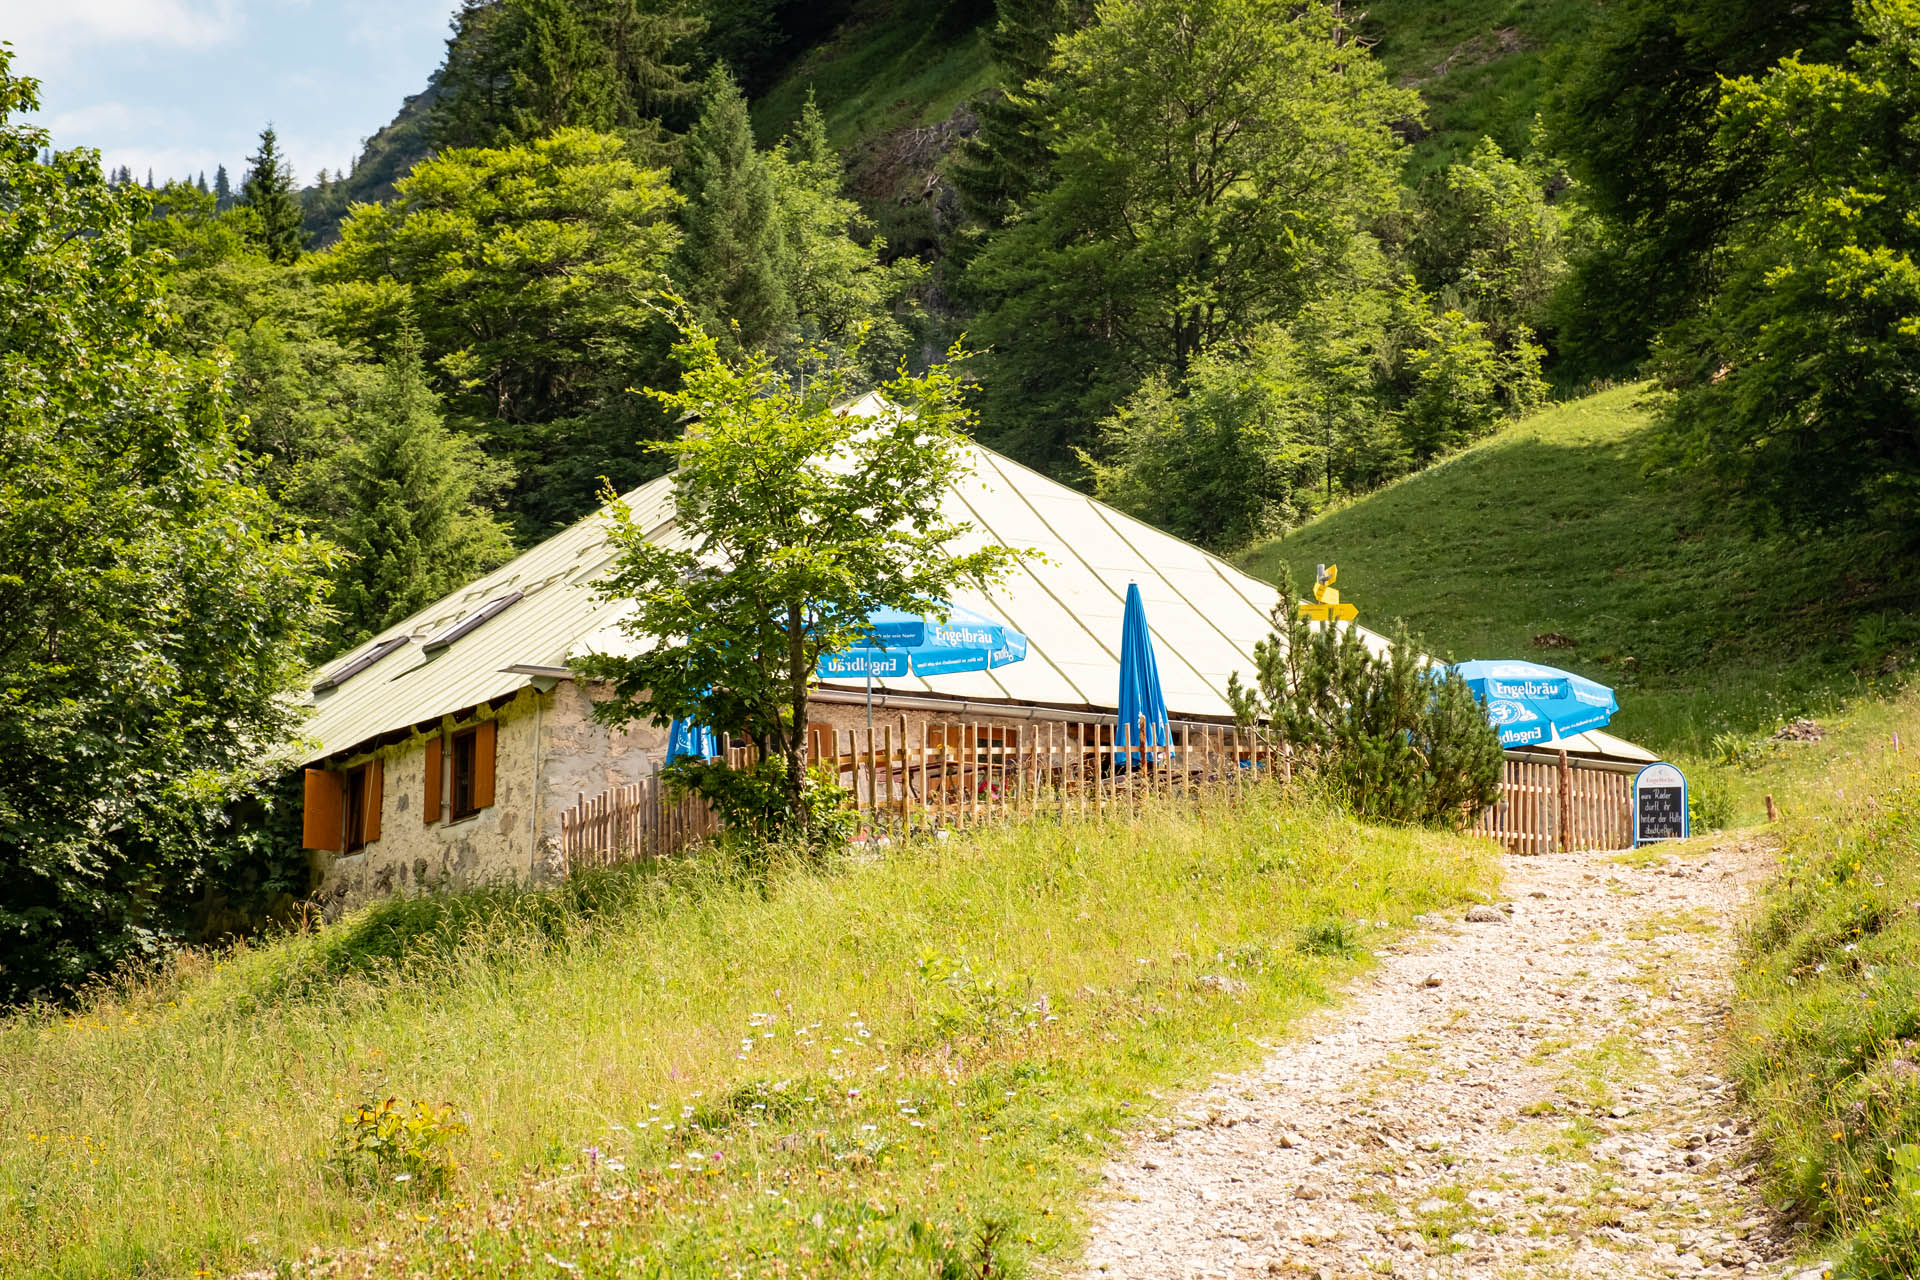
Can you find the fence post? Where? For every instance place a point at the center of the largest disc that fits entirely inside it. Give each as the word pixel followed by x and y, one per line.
pixel 1186 761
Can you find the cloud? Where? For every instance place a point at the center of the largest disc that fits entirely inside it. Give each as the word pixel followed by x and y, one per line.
pixel 111 119
pixel 379 25
pixel 50 33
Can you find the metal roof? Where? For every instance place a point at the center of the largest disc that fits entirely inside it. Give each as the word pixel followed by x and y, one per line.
pixel 1205 615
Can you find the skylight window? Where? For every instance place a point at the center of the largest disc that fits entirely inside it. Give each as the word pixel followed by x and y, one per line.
pixel 473 620
pixel 361 663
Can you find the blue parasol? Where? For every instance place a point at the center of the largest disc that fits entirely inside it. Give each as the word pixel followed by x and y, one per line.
pixel 926 645
pixel 685 738
pixel 1140 693
pixel 1530 704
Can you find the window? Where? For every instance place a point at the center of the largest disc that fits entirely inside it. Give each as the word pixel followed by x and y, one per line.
pixel 434 647
pixel 463 771
pixel 361 663
pixel 342 811
pixel 355 790
pixel 471 753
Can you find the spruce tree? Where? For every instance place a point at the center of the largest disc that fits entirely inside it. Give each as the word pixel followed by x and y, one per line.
pixel 411 501
pixel 732 260
pixel 269 192
pixel 642 40
pixel 518 69
pixel 563 76
pixel 201 182
pixel 222 189
pixel 1403 739
pixel 1006 162
pixel 833 265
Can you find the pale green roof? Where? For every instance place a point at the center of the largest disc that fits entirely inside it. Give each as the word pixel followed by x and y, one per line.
pixel 1205 614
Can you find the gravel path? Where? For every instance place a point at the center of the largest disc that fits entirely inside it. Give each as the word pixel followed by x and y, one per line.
pixel 1532 1095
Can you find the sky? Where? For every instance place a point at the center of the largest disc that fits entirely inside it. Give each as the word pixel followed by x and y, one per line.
pixel 180 86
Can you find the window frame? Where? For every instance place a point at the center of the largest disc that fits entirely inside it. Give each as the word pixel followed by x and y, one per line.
pixel 463 743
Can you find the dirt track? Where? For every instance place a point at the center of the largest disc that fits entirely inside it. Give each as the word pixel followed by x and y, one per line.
pixel 1529 1097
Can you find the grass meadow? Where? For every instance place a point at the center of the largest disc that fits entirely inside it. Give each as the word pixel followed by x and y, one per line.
pixel 1826 1025
pixel 1710 635
pixel 910 1063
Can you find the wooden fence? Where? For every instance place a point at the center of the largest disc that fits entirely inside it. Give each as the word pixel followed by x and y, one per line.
pixel 963 773
pixel 640 820
pixel 943 774
pixel 1546 806
pixel 905 777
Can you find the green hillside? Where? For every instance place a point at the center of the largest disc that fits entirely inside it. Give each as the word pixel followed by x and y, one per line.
pixel 891 66
pixel 1484 67
pixel 1553 527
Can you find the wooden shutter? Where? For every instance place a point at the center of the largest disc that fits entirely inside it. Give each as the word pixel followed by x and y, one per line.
pixel 430 811
pixel 320 819
pixel 483 744
pixel 370 824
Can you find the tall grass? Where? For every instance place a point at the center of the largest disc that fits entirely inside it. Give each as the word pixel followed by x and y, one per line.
pixel 907 1062
pixel 1827 1016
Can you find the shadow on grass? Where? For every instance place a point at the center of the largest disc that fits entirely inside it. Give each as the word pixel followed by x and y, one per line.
pixel 431 935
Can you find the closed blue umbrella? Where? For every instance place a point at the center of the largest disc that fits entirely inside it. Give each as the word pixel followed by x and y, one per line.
pixel 1140 693
pixel 1530 704
pixel 685 738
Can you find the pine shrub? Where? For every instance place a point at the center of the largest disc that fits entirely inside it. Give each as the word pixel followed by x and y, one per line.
pixel 1396 732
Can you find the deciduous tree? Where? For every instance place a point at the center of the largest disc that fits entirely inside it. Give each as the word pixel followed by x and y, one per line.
pixel 1799 387
pixel 1213 164
pixel 153 607
pixel 535 273
pixel 795 521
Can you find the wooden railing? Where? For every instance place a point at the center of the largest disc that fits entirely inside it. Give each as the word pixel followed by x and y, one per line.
pixel 904 777
pixel 942 774
pixel 1545 806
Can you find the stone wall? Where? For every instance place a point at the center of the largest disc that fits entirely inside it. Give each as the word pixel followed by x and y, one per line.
pixel 546 751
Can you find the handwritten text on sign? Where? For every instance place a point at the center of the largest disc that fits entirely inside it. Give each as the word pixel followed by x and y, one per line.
pixel 1659 804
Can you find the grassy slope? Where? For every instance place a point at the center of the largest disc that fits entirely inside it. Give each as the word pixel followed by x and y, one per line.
pixel 1483 66
pixel 893 65
pixel 1551 526
pixel 1826 1034
pixel 875 1063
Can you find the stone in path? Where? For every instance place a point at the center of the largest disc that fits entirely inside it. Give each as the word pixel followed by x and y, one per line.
pixel 1549 1108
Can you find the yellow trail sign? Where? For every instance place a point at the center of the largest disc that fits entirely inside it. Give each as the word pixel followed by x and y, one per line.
pixel 1327 606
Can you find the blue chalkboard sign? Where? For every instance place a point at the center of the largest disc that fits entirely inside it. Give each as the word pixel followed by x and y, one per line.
pixel 1659 804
